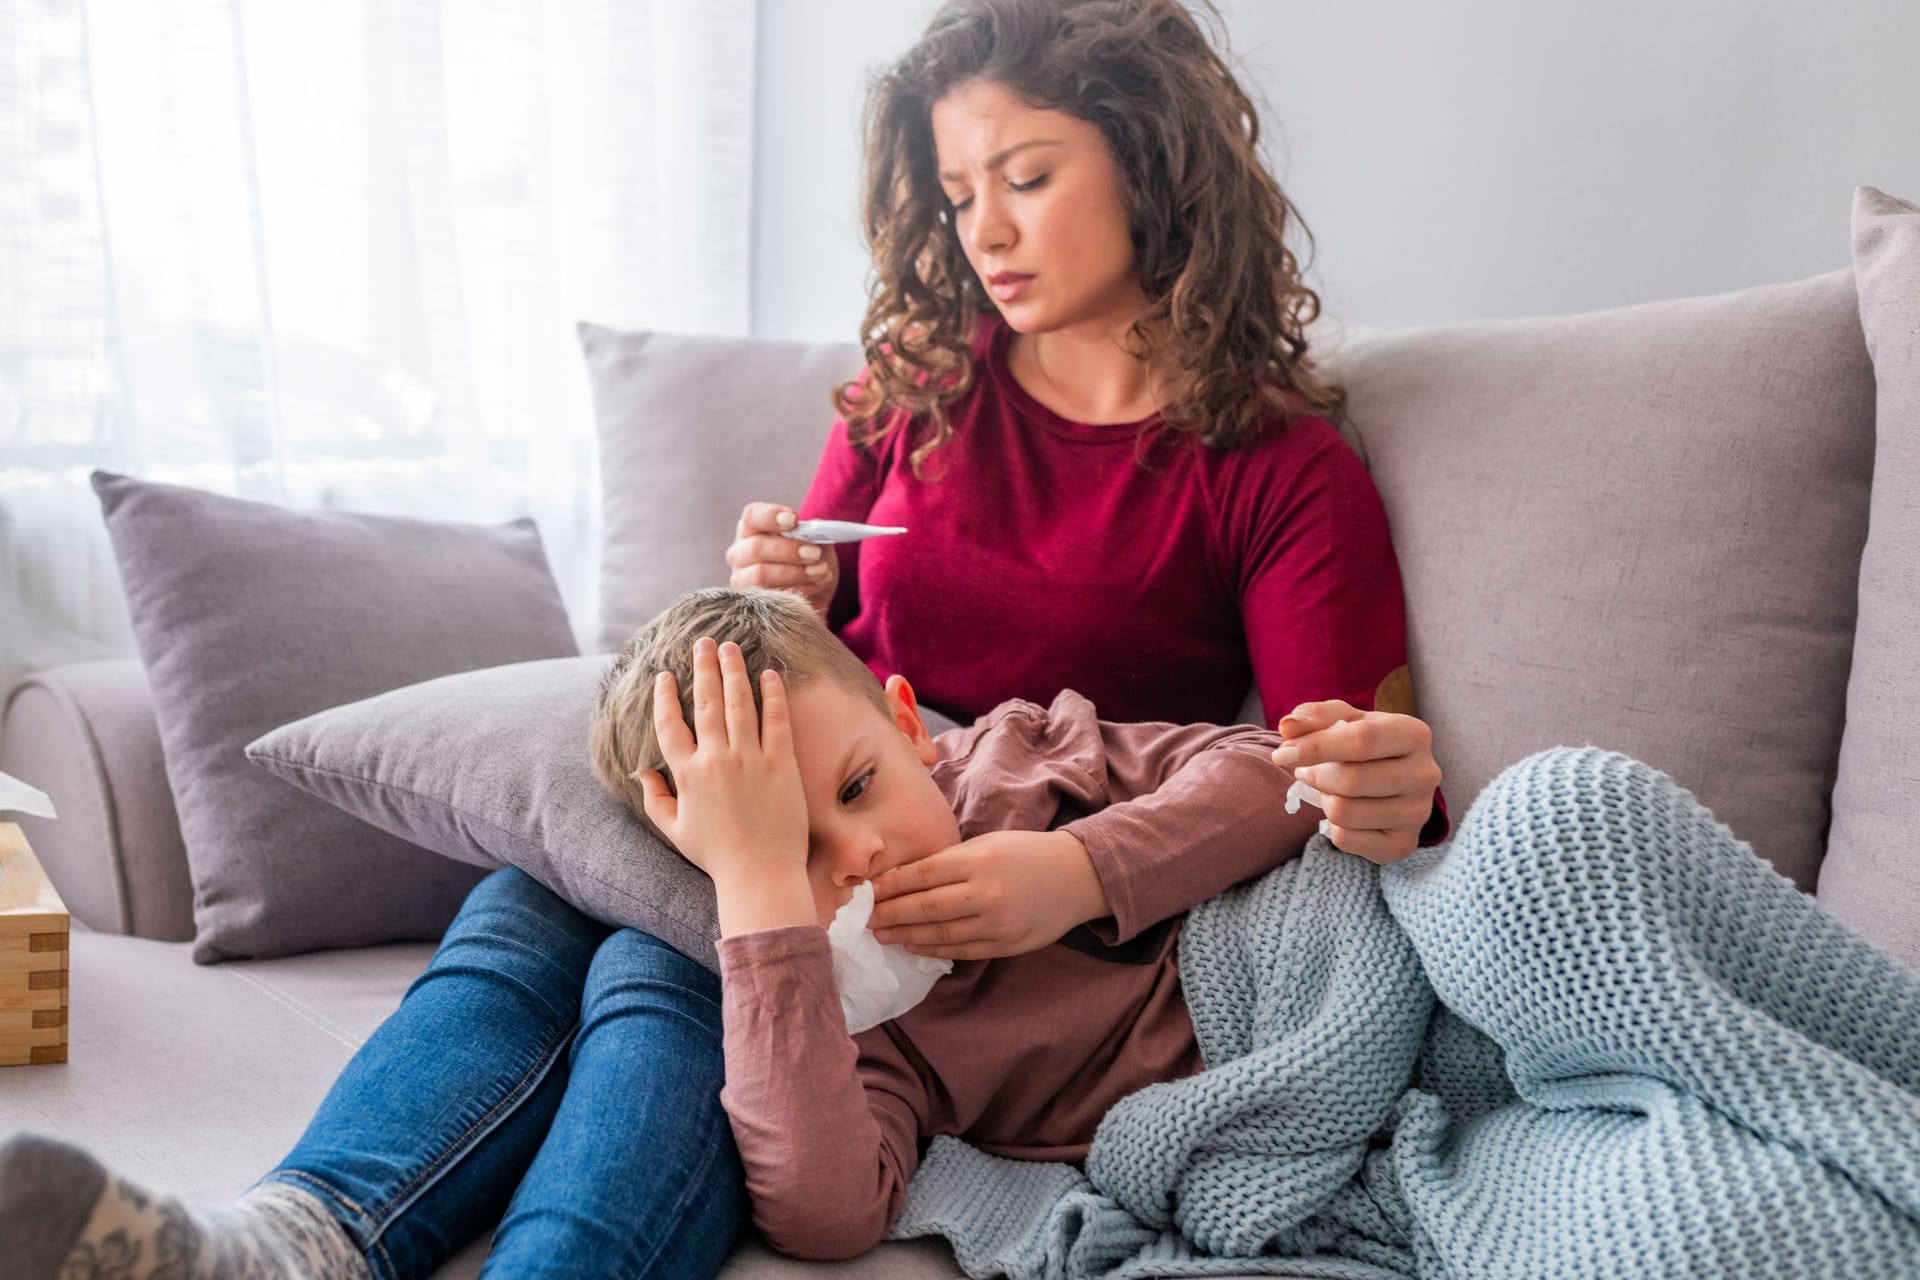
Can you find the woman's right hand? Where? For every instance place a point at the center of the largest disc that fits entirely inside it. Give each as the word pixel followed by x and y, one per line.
pixel 761 557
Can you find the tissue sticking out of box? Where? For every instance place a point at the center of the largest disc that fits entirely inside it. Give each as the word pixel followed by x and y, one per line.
pixel 17 797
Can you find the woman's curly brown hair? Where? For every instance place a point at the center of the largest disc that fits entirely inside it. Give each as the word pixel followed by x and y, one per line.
pixel 1225 325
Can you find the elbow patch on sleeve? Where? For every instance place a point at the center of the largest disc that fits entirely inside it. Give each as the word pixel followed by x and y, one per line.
pixel 1395 693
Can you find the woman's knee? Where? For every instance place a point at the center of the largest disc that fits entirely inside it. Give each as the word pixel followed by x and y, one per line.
pixel 635 973
pixel 510 918
pixel 1560 813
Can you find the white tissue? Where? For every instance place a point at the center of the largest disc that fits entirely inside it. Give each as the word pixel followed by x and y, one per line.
pixel 1301 791
pixel 17 797
pixel 876 982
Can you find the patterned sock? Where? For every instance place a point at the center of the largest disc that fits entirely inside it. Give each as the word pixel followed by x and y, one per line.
pixel 64 1215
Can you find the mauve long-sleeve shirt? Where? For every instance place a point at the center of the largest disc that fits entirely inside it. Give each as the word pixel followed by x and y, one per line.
pixel 1022 1055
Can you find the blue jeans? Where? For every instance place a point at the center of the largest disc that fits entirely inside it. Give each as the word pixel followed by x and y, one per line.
pixel 546 1072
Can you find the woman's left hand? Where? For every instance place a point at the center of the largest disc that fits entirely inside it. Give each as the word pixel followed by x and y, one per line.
pixel 999 894
pixel 1374 770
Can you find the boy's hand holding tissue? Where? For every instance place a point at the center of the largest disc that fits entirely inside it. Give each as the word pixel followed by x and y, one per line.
pixel 1000 894
pixel 736 810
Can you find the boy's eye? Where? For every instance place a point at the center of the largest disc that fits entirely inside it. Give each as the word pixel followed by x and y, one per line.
pixel 855 789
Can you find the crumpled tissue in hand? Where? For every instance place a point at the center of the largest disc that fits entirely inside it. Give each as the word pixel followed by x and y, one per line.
pixel 876 982
pixel 1301 791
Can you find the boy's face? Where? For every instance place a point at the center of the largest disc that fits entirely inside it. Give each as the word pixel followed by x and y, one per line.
pixel 869 792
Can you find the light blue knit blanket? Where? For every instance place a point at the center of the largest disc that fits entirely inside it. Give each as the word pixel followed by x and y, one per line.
pixel 1648 1056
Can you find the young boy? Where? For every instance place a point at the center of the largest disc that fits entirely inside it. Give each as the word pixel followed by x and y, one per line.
pixel 799 776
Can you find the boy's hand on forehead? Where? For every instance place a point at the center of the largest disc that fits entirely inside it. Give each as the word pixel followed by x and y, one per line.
pixel 739 812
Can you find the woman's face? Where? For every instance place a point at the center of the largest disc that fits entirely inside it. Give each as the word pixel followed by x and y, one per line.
pixel 1036 194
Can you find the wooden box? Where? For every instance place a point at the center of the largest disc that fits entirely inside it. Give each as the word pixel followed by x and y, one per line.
pixel 33 957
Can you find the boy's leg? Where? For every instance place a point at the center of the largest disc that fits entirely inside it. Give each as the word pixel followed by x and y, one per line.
pixel 1667 1003
pixel 638 1175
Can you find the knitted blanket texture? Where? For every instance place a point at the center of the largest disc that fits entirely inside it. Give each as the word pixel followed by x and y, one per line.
pixel 1593 1035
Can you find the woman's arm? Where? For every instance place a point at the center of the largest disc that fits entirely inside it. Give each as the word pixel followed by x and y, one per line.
pixel 844 487
pixel 846 484
pixel 828 1130
pixel 1326 627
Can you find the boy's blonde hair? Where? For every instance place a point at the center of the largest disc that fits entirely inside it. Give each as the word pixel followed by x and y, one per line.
pixel 774 629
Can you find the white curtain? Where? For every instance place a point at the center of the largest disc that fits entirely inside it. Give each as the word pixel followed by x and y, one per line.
pixel 331 254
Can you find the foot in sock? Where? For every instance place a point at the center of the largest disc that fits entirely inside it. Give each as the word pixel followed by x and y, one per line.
pixel 63 1215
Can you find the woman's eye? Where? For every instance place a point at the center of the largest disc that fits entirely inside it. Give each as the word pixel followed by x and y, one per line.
pixel 857 788
pixel 960 206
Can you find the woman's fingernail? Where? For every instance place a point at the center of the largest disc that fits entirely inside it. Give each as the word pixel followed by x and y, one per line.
pixel 1287 755
pixel 1304 773
pixel 1326 827
pixel 784 519
pixel 809 553
pixel 816 571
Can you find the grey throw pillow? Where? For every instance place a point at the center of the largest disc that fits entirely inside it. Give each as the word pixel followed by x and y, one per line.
pixel 249 615
pixel 691 430
pixel 1638 528
pixel 490 768
pixel 1871 877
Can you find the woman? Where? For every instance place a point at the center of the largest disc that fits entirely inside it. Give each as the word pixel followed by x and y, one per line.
pixel 1129 446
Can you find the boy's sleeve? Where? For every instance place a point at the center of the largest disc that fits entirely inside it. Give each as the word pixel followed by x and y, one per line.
pixel 828 1129
pixel 1192 809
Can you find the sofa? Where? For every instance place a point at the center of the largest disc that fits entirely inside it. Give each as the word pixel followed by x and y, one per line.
pixel 1684 530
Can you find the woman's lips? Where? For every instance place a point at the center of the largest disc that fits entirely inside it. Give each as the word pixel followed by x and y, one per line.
pixel 1007 286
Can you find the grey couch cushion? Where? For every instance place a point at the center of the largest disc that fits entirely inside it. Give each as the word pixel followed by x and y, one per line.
pixel 1640 529
pixel 491 768
pixel 1872 874
pixel 691 430
pixel 249 615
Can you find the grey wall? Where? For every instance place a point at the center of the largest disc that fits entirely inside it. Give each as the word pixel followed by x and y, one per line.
pixel 1455 161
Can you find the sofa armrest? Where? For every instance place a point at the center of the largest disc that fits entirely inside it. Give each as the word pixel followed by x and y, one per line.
pixel 85 734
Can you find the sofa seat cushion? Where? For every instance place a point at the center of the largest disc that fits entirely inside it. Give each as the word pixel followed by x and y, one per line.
pixel 198 1079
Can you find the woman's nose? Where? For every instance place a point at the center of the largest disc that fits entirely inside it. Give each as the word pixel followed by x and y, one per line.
pixel 991 232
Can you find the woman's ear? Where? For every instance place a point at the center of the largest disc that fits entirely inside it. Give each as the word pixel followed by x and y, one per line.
pixel 906 718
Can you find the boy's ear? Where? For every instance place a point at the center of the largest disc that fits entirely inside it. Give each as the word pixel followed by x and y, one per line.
pixel 906 718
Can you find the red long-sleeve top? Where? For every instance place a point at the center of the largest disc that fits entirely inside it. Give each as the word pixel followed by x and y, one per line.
pixel 1156 576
